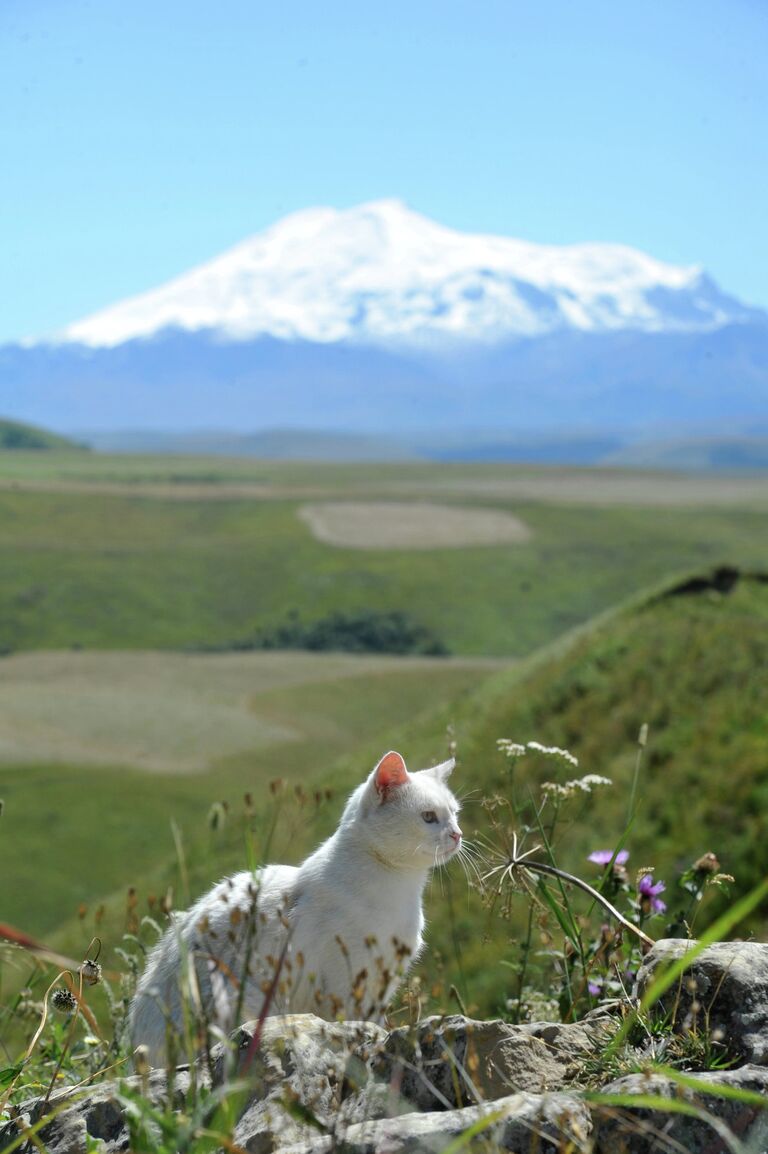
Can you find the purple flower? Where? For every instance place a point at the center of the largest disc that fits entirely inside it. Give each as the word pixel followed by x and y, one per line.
pixel 604 856
pixel 646 889
pixel 594 989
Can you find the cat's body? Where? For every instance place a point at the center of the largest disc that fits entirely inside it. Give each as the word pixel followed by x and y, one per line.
pixel 332 936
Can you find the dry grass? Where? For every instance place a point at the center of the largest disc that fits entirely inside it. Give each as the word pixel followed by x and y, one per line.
pixel 410 525
pixel 168 712
pixel 225 479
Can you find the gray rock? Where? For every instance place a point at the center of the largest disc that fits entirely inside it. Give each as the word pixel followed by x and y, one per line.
pixel 306 1077
pixel 451 1062
pixel 520 1123
pixel 638 1130
pixel 723 991
pixel 96 1113
pixel 314 1087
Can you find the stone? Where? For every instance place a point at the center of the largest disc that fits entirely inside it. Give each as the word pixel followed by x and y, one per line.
pixel 317 1087
pixel 306 1075
pixel 97 1113
pixel 724 991
pixel 447 1062
pixel 638 1130
pixel 521 1123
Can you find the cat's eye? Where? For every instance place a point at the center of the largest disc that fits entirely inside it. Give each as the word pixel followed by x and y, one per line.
pixel 430 817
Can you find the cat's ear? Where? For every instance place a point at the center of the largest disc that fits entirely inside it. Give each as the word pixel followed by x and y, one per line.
pixel 389 774
pixel 443 771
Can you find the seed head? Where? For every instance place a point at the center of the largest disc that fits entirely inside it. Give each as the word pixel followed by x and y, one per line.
pixel 91 972
pixel 64 1001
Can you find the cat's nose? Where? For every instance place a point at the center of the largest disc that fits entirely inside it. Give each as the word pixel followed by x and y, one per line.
pixel 456 835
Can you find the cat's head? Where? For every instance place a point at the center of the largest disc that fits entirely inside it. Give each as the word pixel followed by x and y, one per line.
pixel 408 820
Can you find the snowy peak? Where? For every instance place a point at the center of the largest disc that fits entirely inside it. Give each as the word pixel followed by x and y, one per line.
pixel 381 274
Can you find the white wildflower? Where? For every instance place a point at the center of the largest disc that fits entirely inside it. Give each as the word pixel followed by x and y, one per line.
pixel 590 781
pixel 553 751
pixel 510 748
pixel 553 789
pixel 578 785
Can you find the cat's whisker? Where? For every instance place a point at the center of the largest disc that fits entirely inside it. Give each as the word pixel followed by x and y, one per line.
pixel 472 851
pixel 436 868
pixel 462 797
pixel 469 865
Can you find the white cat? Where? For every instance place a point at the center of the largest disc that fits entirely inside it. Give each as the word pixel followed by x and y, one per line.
pixel 332 936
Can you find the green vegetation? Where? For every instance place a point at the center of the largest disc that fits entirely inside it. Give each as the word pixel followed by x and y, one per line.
pixel 17 436
pixel 365 632
pixel 112 727
pixel 164 737
pixel 221 553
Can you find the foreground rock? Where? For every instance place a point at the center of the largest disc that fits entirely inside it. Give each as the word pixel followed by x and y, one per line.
pixel 724 991
pixel 305 1086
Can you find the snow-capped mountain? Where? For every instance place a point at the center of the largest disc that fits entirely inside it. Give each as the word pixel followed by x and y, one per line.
pixel 377 319
pixel 380 274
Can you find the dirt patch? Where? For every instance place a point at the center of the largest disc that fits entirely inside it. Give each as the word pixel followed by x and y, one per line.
pixel 410 525
pixel 173 712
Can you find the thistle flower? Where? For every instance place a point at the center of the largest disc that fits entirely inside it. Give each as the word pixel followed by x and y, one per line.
pixel 648 892
pixel 706 864
pixel 604 856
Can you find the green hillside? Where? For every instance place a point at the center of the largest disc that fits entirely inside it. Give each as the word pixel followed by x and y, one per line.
pixel 689 660
pixel 145 568
pixel 17 436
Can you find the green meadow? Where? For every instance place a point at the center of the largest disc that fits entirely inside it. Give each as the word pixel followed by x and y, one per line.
pixel 127 709
pixel 112 553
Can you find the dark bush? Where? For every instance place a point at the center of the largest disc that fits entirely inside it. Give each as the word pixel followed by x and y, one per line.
pixel 362 632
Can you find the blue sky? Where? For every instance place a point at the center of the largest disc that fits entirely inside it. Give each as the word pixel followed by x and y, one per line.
pixel 138 139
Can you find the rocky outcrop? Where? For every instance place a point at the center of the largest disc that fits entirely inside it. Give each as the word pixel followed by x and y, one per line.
pixel 299 1085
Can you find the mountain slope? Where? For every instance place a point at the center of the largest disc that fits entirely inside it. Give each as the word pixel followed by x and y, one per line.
pixel 382 274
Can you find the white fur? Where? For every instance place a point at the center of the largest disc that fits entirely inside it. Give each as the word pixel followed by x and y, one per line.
pixel 349 919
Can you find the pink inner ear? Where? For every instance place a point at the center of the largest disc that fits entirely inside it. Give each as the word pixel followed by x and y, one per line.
pixel 390 772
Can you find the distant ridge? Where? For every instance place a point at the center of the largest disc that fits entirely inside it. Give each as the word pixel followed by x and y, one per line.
pixel 687 452
pixel 17 435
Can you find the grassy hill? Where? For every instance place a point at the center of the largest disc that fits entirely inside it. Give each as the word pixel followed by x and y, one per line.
pixel 688 659
pixel 18 436
pixel 115 553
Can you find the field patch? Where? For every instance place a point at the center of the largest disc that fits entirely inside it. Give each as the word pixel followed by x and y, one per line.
pixel 166 712
pixel 209 728
pixel 410 525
